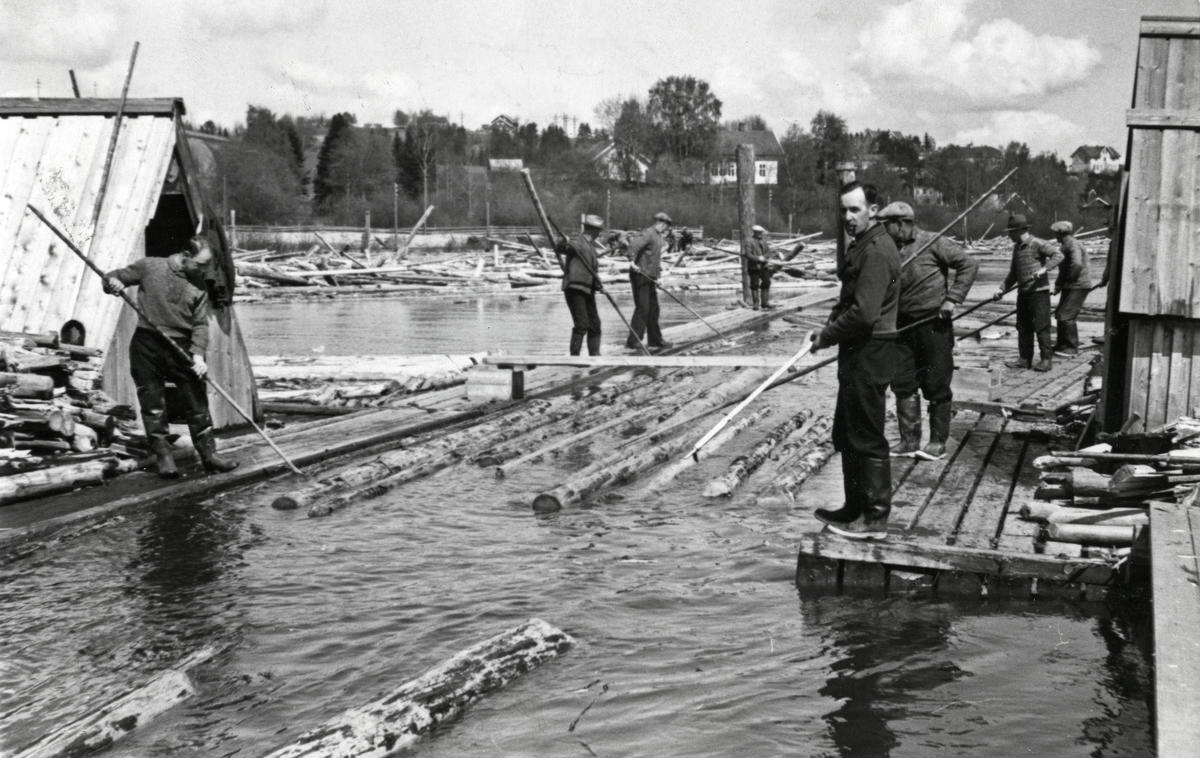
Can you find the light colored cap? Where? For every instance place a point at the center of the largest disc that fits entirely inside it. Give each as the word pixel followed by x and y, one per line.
pixel 660 216
pixel 593 221
pixel 1062 227
pixel 902 211
pixel 758 229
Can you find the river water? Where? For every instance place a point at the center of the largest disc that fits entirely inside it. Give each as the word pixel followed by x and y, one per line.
pixel 691 637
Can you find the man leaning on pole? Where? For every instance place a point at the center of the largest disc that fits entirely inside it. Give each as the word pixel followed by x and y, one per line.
pixel 935 277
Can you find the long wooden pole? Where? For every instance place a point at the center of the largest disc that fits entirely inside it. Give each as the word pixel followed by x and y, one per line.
pixel 682 304
pixel 808 344
pixel 178 350
pixel 958 218
pixel 112 143
pixel 403 251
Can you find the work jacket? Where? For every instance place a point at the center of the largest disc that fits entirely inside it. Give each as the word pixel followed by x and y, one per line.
pixel 1073 271
pixel 870 296
pixel 580 268
pixel 758 248
pixel 168 299
pixel 645 251
pixel 926 281
pixel 1029 255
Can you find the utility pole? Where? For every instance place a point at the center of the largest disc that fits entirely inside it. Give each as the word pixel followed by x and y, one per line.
pixel 745 181
pixel 396 216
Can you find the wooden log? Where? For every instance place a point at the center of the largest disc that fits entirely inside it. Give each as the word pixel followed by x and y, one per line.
pixel 84 438
pixel 669 472
pixel 1057 513
pixel 304 409
pixel 743 466
pixel 271 273
pixel 52 480
pixel 783 490
pixel 398 719
pixel 27 385
pixel 1086 482
pixel 61 423
pixel 1092 534
pixel 119 717
pixel 560 442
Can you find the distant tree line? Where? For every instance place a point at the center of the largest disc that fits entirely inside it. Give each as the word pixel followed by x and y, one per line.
pixel 424 159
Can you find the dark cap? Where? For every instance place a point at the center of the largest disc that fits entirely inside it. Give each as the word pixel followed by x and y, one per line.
pixel 1017 223
pixel 660 216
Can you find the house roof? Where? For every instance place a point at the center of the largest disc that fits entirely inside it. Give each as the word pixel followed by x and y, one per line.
pixel 55 152
pixel 766 144
pixel 1093 152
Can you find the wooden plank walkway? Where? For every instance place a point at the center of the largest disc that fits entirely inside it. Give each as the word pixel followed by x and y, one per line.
pixel 1175 584
pixel 1037 393
pixel 954 527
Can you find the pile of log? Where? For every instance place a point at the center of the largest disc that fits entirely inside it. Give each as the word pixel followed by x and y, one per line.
pixel 58 429
pixel 1100 495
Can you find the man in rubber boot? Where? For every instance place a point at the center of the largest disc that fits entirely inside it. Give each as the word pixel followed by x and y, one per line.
pixel 1031 259
pixel 863 326
pixel 645 251
pixel 935 277
pixel 758 268
pixel 581 282
pixel 1072 286
pixel 171 295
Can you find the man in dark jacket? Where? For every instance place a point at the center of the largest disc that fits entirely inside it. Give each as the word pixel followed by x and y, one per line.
pixel 863 326
pixel 645 252
pixel 935 276
pixel 758 268
pixel 171 295
pixel 581 282
pixel 1072 286
pixel 1031 259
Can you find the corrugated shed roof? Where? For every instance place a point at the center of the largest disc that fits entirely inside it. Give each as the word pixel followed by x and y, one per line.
pixel 53 159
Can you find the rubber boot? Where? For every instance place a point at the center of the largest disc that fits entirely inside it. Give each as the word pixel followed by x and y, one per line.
pixel 152 399
pixel 593 344
pixel 576 343
pixel 852 508
pixel 1018 363
pixel 875 481
pixel 1045 364
pixel 939 431
pixel 755 299
pixel 766 296
pixel 164 462
pixel 206 447
pixel 908 417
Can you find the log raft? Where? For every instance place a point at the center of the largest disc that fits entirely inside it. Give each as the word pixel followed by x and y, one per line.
pixel 397 720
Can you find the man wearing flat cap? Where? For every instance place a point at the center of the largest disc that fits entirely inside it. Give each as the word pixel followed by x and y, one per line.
pixel 761 264
pixel 1073 284
pixel 645 252
pixel 581 282
pixel 1031 259
pixel 935 277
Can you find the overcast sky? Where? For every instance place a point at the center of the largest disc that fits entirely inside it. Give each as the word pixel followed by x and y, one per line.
pixel 1052 73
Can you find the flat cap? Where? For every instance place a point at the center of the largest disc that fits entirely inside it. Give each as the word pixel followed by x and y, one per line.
pixel 1016 223
pixel 593 221
pixel 1062 227
pixel 758 229
pixel 660 216
pixel 902 211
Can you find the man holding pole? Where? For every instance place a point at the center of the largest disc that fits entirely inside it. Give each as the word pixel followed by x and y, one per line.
pixel 174 305
pixel 1031 259
pixel 1072 286
pixel 935 277
pixel 645 252
pixel 863 326
pixel 758 268
pixel 581 282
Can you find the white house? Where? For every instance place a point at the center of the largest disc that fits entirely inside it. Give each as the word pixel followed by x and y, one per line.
pixel 1095 159
pixel 767 155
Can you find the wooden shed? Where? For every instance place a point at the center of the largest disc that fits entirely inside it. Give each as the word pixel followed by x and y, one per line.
pixel 1153 360
pixel 53 154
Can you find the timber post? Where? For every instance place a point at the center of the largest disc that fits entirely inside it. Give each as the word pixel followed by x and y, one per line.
pixel 745 180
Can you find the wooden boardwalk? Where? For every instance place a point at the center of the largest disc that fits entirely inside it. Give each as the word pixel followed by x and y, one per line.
pixel 1175 587
pixel 955 527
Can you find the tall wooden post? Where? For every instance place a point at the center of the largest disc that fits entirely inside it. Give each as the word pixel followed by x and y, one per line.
pixel 396 216
pixel 366 236
pixel 607 208
pixel 745 182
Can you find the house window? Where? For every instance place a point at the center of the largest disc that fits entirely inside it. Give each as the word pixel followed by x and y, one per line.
pixel 762 171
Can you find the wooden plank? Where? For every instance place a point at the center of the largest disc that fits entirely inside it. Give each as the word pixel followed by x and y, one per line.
pixel 982 523
pixel 915 493
pixel 1169 26
pixel 17 227
pixel 1141 334
pixel 1139 118
pixel 89 106
pixel 925 555
pixel 1016 535
pixel 947 504
pixel 1176 608
pixel 661 361
pixel 1183 393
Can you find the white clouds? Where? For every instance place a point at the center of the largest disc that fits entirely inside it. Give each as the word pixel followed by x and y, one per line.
pixel 234 19
pixel 927 49
pixel 1041 130
pixel 71 34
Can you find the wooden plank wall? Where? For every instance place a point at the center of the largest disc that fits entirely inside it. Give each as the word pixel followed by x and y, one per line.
pixel 1159 298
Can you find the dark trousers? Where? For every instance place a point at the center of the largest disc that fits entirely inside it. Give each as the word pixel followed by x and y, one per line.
pixel 925 360
pixel 1033 320
pixel 585 321
pixel 645 312
pixel 865 369
pixel 760 279
pixel 153 363
pixel 1070 303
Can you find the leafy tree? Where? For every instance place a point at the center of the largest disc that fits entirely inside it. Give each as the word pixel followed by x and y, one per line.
pixel 684 114
pixel 752 122
pixel 502 145
pixel 631 135
pixel 409 171
pixel 583 135
pixel 260 184
pixel 279 136
pixel 554 142
pixel 608 110
pixel 527 141
pixel 340 126
pixel 832 144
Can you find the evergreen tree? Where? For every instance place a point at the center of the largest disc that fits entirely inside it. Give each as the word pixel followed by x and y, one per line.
pixel 339 127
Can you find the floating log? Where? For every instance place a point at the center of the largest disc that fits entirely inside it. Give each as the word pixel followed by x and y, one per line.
pixel 669 472
pixel 121 716
pixel 1091 534
pixel 745 465
pixel 398 719
pixel 782 491
pixel 564 441
pixel 271 273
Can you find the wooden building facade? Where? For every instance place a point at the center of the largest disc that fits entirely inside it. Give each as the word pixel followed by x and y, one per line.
pixel 53 156
pixel 1153 350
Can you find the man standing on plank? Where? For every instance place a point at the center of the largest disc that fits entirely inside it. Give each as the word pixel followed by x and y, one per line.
pixel 935 276
pixel 1031 259
pixel 1072 286
pixel 172 297
pixel 645 252
pixel 863 326
pixel 581 282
